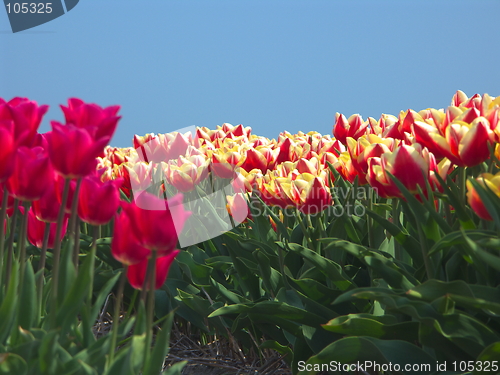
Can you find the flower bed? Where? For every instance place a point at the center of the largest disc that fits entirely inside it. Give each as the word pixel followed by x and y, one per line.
pixel 379 244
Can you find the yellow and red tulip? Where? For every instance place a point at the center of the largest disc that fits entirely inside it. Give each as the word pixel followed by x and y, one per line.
pixel 353 127
pixel 486 180
pixel 411 165
pixel 188 172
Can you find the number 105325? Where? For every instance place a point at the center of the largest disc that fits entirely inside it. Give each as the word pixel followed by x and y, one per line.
pixel 29 7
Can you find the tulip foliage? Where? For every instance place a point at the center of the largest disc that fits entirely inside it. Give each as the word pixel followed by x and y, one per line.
pixel 376 243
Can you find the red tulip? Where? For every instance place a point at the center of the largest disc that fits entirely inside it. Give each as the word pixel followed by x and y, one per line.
pixel 36 230
pixel 137 272
pixel 32 174
pixel 125 247
pixel 85 115
pixel 26 115
pixel 98 201
pixel 7 149
pixel 47 207
pixel 156 222
pixel 73 151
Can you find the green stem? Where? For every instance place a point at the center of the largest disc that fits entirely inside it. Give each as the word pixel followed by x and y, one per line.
pixel 76 248
pixel 73 223
pixel 41 266
pixel 10 249
pixel 131 305
pixel 92 253
pixel 311 228
pixel 369 220
pixel 447 212
pixel 425 255
pixel 304 230
pixel 22 243
pixel 462 177
pixel 395 220
pixel 151 303
pixel 3 215
pixel 57 254
pixel 116 317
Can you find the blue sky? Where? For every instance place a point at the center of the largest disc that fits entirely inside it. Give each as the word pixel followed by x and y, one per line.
pixel 271 65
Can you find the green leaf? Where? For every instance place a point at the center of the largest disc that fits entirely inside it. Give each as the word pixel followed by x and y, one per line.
pixel 198 273
pixel 279 310
pixel 77 294
pixel 67 272
pixel 489 358
pixel 161 348
pixel 48 359
pixel 396 277
pixel 121 364
pixel 137 348
pixel 27 315
pixel 410 243
pixel 284 350
pixel 175 369
pixel 433 289
pixel 282 230
pixel 11 364
pixel 9 304
pixel 103 294
pixel 331 269
pixel 382 327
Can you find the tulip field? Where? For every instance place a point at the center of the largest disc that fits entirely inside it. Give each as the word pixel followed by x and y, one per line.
pixel 374 249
